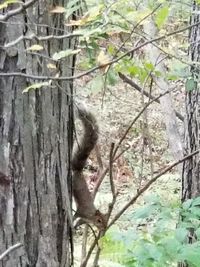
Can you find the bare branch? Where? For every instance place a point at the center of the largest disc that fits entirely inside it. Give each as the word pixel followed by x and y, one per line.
pixel 98 156
pixel 33 36
pixel 138 88
pixel 95 242
pixel 135 26
pixel 137 117
pixel 9 250
pixel 112 185
pixel 18 10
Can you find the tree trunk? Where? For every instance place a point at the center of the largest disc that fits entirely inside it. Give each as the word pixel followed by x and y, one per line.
pixel 169 117
pixel 191 174
pixel 191 167
pixel 35 143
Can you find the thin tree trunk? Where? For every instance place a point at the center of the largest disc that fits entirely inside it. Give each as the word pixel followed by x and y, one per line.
pixel 191 167
pixel 191 174
pixel 169 116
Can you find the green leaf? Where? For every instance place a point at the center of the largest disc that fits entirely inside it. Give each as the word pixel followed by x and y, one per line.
pixel 97 84
pixel 152 198
pixel 149 66
pixel 181 234
pixel 172 77
pixel 197 232
pixel 191 254
pixel 190 84
pixel 8 2
pixel 65 53
pixel 187 204
pixel 112 78
pixel 196 202
pixel 134 70
pixel 72 6
pixel 170 245
pixel 35 86
pixel 195 211
pixel 86 33
pixel 161 16
pixel 144 212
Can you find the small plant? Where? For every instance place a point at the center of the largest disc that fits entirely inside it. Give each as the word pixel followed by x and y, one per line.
pixel 156 239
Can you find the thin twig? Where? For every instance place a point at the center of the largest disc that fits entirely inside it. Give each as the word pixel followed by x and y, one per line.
pixel 123 43
pixel 98 156
pixel 33 36
pixel 84 243
pixel 18 10
pixel 96 258
pixel 112 186
pixel 138 88
pixel 110 209
pixel 9 250
pixel 137 117
pixel 95 242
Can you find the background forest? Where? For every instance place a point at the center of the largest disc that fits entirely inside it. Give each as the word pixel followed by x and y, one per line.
pixel 147 43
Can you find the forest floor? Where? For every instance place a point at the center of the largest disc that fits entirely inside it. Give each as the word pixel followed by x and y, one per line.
pixel 148 151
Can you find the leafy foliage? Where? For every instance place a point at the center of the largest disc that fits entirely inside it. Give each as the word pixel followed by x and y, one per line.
pixel 114 28
pixel 156 239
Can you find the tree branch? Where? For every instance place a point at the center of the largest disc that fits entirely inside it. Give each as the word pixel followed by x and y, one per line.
pixel 18 10
pixel 139 89
pixel 33 36
pixel 137 117
pixel 9 250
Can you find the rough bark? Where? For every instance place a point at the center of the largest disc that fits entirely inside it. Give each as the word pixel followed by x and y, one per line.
pixel 35 143
pixel 191 167
pixel 191 174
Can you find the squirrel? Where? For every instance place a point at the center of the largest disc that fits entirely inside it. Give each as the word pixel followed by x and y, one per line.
pixel 86 209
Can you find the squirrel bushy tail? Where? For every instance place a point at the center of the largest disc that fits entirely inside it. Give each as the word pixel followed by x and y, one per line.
pixel 86 209
pixel 88 141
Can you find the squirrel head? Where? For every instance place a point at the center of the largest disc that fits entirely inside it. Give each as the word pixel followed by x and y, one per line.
pixel 99 220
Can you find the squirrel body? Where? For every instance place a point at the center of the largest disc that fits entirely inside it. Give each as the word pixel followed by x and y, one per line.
pixel 86 209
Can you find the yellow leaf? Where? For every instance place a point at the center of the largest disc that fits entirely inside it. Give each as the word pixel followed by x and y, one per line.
pixel 8 2
pixel 36 86
pixel 4 5
pixel 102 58
pixel 51 66
pixel 80 22
pixel 74 23
pixel 35 47
pixel 58 9
pixel 65 53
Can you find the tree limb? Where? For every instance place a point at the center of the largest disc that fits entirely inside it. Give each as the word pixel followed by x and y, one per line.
pixel 9 250
pixel 18 10
pixel 138 88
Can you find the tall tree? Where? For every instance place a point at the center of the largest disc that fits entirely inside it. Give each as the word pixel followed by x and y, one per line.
pixel 191 174
pixel 35 135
